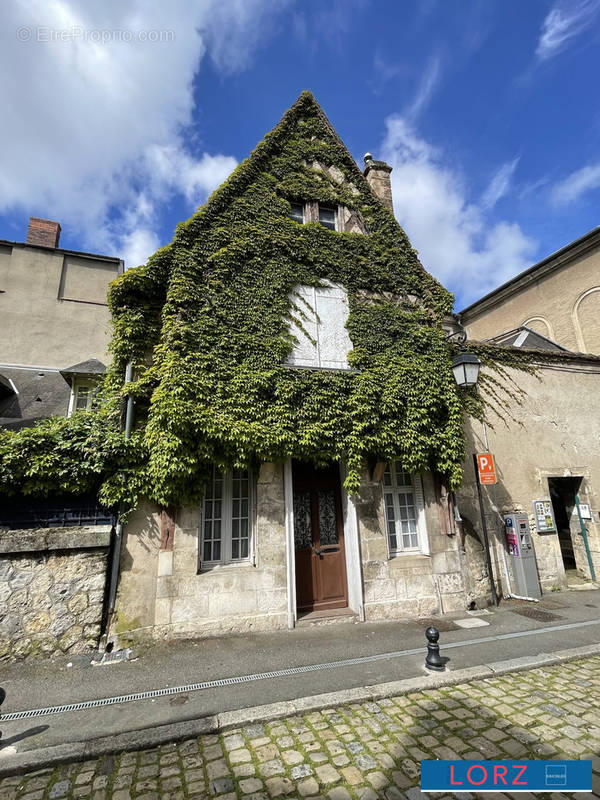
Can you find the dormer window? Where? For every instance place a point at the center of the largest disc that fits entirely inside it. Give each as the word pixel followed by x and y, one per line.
pixel 328 217
pixel 297 212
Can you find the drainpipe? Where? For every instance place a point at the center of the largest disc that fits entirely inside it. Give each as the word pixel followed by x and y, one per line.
pixel 585 539
pixel 118 538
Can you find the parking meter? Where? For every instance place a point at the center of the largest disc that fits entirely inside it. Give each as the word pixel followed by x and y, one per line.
pixel 522 555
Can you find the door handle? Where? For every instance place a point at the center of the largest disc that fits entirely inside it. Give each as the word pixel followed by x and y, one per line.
pixel 318 552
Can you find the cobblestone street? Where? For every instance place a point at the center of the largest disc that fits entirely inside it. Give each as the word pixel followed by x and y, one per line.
pixel 368 751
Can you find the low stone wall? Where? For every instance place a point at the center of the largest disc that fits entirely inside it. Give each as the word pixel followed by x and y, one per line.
pixel 51 590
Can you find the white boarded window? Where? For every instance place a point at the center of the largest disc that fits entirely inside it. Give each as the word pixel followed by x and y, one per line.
pixel 404 511
pixel 319 327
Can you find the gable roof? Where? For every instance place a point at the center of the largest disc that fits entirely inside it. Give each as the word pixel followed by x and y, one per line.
pixel 554 261
pixel 245 171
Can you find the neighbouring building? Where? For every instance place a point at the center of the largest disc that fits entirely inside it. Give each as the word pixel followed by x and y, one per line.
pixel 559 298
pixel 53 350
pixel 547 449
pixel 285 542
pixel 55 325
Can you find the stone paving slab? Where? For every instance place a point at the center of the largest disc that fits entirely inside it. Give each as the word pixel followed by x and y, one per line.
pixel 363 750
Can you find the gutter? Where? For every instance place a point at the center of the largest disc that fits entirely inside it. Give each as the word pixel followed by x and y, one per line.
pixel 118 537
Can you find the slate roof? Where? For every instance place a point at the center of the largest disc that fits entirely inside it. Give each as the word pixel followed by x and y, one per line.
pixel 90 367
pixel 40 393
pixel 527 338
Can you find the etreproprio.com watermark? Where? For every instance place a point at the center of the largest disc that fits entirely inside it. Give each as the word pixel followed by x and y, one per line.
pixel 77 33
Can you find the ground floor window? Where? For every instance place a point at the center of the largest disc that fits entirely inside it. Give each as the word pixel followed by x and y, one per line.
pixel 226 527
pixel 404 510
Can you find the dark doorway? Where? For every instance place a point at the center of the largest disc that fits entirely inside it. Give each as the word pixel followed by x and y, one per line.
pixel 562 495
pixel 319 538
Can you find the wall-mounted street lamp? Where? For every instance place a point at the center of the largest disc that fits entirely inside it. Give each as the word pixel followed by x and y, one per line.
pixel 465 367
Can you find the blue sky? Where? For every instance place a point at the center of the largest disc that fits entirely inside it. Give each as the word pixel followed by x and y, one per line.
pixel 122 117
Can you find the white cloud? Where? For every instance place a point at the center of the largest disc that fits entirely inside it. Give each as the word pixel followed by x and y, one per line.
pixel 425 89
pixel 577 183
pixel 499 184
pixel 99 106
pixel 468 253
pixel 565 20
pixel 137 245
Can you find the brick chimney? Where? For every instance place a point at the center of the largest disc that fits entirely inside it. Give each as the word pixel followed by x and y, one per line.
pixel 377 174
pixel 43 232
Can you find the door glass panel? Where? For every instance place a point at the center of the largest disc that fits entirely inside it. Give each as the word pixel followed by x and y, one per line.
pixel 327 518
pixel 302 521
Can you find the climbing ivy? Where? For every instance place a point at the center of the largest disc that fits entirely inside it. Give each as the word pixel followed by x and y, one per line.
pixel 206 326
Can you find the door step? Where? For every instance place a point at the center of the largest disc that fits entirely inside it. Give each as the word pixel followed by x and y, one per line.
pixel 330 616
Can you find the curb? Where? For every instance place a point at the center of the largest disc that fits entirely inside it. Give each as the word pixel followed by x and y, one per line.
pixel 43 758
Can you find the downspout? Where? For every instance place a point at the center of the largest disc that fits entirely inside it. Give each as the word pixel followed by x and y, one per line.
pixel 118 537
pixel 585 539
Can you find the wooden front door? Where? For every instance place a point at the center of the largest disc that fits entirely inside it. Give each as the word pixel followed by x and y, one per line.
pixel 319 538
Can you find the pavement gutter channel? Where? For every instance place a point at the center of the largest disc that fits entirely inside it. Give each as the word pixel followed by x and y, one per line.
pixel 35 760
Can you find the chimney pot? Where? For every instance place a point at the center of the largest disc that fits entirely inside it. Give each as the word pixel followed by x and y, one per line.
pixel 43 232
pixel 377 174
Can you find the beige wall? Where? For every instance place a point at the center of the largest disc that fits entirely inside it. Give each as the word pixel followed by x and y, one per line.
pixel 53 306
pixel 564 305
pixel 554 433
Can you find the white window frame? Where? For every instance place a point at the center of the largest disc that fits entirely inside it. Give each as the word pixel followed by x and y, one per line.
pixel 416 488
pixel 336 215
pixel 77 385
pixel 226 520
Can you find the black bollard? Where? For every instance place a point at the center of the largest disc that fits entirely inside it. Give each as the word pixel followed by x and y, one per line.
pixel 432 659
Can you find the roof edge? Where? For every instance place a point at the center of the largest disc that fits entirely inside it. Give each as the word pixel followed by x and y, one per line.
pixel 543 267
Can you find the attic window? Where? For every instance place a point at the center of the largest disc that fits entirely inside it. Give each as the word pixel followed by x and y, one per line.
pixel 297 212
pixel 319 327
pixel 328 217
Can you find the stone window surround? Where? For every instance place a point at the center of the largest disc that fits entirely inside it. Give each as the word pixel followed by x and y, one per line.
pixel 419 500
pixel 311 212
pixel 227 564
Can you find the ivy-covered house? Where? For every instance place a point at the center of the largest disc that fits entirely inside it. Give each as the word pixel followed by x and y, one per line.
pixel 297 426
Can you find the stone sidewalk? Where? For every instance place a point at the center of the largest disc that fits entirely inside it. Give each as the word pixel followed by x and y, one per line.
pixel 367 751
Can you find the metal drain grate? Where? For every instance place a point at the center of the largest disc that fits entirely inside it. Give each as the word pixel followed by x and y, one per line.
pixel 194 687
pixel 534 612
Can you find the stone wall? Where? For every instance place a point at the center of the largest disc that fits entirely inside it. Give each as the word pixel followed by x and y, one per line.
pixel 411 584
pixel 52 585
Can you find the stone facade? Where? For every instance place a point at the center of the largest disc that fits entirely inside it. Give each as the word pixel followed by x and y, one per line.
pixel 162 594
pixel 51 590
pixel 407 585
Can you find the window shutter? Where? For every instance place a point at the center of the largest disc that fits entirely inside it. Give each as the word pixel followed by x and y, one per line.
pixel 420 506
pixel 304 328
pixel 319 327
pixel 333 340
